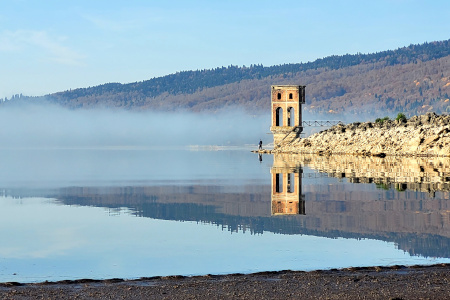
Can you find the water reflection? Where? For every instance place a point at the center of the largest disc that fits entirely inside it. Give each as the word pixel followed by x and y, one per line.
pixel 400 200
pixel 287 198
pixel 419 174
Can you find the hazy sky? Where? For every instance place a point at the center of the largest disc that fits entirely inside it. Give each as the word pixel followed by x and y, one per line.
pixel 50 46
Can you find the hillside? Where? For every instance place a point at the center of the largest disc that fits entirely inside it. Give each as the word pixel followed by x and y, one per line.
pixel 413 80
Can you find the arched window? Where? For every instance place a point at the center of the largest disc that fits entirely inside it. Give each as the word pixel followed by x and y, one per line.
pixel 279 183
pixel 279 117
pixel 291 116
pixel 290 96
pixel 279 96
pixel 291 183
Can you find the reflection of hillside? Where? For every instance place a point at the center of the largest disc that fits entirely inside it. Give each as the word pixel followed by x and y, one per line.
pixel 420 174
pixel 416 221
pixel 242 200
pixel 377 211
pixel 412 220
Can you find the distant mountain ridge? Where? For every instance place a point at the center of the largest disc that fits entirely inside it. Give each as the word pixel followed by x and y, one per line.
pixel 410 79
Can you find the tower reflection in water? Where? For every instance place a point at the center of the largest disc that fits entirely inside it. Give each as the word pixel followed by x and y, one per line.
pixel 287 197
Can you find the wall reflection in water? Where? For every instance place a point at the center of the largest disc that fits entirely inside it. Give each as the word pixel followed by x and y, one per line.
pixel 419 174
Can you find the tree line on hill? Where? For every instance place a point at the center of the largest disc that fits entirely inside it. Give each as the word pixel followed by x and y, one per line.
pixel 412 80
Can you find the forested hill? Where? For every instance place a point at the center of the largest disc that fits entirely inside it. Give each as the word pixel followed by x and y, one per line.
pixel 409 79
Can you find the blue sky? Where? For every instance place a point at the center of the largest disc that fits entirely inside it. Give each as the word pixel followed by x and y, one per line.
pixel 50 46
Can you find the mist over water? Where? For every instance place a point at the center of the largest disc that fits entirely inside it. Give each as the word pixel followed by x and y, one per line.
pixel 37 126
pixel 32 136
pixel 51 126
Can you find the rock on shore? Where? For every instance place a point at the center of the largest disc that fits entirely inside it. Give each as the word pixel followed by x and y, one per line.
pixel 425 135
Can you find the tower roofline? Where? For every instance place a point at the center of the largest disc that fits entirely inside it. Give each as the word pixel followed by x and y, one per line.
pixel 288 85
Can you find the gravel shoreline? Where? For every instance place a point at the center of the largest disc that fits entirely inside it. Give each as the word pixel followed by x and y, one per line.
pixel 396 282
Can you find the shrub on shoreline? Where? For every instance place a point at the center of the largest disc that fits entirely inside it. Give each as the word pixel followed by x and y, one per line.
pixel 401 117
pixel 381 120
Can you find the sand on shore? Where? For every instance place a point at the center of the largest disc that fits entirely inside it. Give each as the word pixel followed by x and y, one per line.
pixel 396 282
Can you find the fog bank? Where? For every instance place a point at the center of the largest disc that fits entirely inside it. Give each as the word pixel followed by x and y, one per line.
pixel 34 126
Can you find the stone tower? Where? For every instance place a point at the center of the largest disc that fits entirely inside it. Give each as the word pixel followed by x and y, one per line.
pixel 287 103
pixel 287 197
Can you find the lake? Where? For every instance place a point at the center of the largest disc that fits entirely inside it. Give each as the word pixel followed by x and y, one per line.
pixel 139 212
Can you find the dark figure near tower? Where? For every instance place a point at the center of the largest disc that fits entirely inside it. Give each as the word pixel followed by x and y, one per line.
pixel 260 144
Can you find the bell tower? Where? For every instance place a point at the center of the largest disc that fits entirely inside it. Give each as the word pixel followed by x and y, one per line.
pixel 287 103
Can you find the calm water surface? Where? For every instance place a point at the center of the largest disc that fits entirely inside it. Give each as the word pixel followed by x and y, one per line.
pixel 129 213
